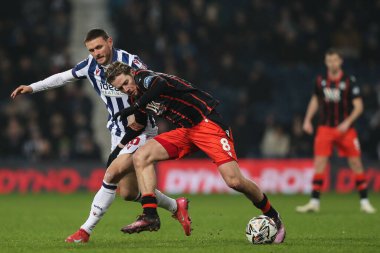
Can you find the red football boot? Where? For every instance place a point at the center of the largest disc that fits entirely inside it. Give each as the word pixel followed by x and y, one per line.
pixel 182 214
pixel 81 236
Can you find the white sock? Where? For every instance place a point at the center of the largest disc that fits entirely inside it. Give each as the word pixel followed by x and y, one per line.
pixel 314 201
pixel 163 201
pixel 102 201
pixel 364 202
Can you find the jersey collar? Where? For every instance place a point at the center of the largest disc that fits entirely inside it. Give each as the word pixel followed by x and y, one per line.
pixel 337 78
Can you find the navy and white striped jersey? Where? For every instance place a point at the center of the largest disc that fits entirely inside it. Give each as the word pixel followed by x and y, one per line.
pixel 112 97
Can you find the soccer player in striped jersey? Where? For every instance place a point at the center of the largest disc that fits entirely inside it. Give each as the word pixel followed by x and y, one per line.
pixel 198 127
pixel 120 170
pixel 337 96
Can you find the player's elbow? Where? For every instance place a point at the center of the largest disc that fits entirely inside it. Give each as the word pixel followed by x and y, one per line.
pixel 358 105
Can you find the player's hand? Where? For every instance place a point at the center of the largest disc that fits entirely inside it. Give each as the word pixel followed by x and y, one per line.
pixel 22 89
pixel 344 126
pixel 124 114
pixel 308 127
pixel 133 124
pixel 136 126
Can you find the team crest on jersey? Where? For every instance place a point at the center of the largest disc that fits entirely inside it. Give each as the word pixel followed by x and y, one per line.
pixel 342 85
pixel 323 83
pixel 147 81
pixel 356 90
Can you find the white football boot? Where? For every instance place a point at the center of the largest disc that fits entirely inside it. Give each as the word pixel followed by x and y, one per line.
pixel 366 207
pixel 311 207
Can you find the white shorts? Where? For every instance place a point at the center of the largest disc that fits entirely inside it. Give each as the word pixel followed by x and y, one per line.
pixel 133 145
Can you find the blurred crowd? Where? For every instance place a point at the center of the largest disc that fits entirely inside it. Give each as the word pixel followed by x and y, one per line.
pixel 258 57
pixel 54 124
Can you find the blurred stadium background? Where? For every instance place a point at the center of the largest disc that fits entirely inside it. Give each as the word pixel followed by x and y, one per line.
pixel 258 57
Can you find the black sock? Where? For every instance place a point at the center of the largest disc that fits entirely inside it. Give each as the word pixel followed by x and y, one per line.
pixel 149 204
pixel 317 186
pixel 361 185
pixel 267 209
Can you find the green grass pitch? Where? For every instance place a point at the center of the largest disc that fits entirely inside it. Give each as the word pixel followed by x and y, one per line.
pixel 40 223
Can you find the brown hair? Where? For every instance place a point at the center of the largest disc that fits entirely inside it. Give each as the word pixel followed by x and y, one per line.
pixel 117 68
pixel 96 33
pixel 331 51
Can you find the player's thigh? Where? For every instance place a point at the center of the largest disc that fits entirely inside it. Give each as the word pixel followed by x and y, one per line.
pixel 122 165
pixel 150 152
pixel 176 143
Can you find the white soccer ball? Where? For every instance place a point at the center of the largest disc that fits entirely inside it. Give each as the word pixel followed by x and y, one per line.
pixel 261 230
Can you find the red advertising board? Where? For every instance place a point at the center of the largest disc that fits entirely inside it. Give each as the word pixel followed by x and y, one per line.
pixel 345 179
pixel 62 180
pixel 201 176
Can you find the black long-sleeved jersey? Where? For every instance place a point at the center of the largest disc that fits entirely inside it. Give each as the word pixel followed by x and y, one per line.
pixel 173 98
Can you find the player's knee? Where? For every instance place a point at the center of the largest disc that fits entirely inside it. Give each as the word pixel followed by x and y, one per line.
pixel 140 159
pixel 109 176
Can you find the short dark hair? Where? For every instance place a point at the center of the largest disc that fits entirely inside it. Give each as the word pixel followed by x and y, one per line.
pixel 331 51
pixel 96 33
pixel 116 68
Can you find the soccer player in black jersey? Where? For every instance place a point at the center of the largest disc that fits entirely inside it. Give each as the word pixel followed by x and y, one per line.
pixel 199 126
pixel 337 96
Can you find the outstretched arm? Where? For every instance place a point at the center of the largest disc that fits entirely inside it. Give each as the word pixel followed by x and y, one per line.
pixel 53 81
pixel 22 89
